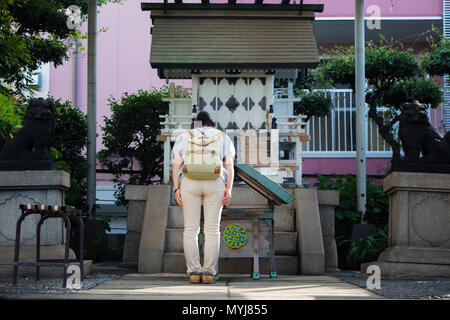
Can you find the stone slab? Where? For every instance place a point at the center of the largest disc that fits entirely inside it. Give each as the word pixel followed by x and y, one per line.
pixel 416 255
pixel 174 262
pixel 310 240
pixel 34 179
pixel 131 247
pixel 136 192
pixel 417 181
pixel 418 209
pixel 27 165
pixel 401 269
pixel 328 197
pixel 45 272
pixel 28 253
pixel 170 286
pixel 31 187
pixel 153 238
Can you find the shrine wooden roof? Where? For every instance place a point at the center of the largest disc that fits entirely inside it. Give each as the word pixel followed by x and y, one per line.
pixel 258 36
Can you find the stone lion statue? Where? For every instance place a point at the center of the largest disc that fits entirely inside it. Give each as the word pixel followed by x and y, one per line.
pixel 33 141
pixel 418 136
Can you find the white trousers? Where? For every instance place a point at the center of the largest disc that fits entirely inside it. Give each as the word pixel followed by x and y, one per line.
pixel 193 193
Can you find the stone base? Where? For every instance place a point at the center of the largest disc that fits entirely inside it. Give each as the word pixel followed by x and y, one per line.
pixel 420 166
pixel 418 209
pixel 420 255
pixel 402 269
pixel 31 187
pixel 27 165
pixel 400 261
pixel 28 253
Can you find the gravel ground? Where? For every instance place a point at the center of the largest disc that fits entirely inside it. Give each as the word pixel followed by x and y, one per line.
pixel 403 288
pixel 28 285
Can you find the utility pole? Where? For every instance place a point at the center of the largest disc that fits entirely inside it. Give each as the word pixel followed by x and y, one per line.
pixel 92 104
pixel 361 110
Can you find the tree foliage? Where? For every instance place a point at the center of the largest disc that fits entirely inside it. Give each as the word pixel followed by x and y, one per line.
pixel 10 119
pixel 393 75
pixel 437 62
pixel 314 101
pixel 132 154
pixel 32 33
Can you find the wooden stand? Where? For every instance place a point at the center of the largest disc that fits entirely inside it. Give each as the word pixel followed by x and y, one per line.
pixel 258 221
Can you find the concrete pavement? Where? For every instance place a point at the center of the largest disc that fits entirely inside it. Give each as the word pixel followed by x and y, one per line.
pixel 164 286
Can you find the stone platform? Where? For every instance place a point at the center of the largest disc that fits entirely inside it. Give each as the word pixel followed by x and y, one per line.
pixel 419 226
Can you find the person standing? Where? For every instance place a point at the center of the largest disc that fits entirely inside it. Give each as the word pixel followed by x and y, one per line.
pixel 202 173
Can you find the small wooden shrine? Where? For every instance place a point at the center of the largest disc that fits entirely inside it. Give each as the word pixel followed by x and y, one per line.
pixel 233 52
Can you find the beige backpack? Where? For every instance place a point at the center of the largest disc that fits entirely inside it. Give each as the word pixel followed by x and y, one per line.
pixel 201 157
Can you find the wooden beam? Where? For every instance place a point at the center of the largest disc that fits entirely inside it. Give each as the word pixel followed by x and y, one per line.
pixel 301 7
pixel 285 2
pixel 206 5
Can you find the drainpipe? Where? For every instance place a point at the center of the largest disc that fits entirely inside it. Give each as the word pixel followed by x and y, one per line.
pixel 92 105
pixel 361 110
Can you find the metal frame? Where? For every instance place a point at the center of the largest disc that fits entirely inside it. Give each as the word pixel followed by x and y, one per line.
pixel 47 212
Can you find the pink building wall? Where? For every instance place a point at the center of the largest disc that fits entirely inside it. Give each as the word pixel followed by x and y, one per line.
pixel 124 51
pixel 389 8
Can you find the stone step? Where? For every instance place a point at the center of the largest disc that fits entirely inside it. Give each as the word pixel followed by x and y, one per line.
pixel 283 218
pixel 6 270
pixel 174 262
pixel 285 243
pixel 241 195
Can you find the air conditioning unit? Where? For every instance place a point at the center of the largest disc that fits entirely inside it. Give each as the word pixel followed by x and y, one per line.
pixel 36 80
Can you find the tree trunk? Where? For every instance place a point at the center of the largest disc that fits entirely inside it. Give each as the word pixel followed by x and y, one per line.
pixel 385 131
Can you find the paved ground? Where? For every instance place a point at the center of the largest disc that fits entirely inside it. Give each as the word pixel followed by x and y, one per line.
pixel 110 281
pixel 176 287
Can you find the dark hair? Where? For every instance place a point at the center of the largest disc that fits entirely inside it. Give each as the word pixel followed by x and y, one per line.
pixel 203 116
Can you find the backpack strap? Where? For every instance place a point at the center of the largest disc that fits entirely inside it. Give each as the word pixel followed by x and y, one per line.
pixel 208 141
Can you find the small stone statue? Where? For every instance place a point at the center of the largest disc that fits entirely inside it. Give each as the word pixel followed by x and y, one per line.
pixel 32 142
pixel 418 138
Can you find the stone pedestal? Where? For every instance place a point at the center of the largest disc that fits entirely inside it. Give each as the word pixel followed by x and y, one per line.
pixel 30 187
pixel 137 200
pixel 328 200
pixel 419 225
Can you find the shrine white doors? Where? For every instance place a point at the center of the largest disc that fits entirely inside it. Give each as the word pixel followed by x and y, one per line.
pixel 234 102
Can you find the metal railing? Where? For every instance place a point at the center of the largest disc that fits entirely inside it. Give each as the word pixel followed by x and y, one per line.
pixel 334 134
